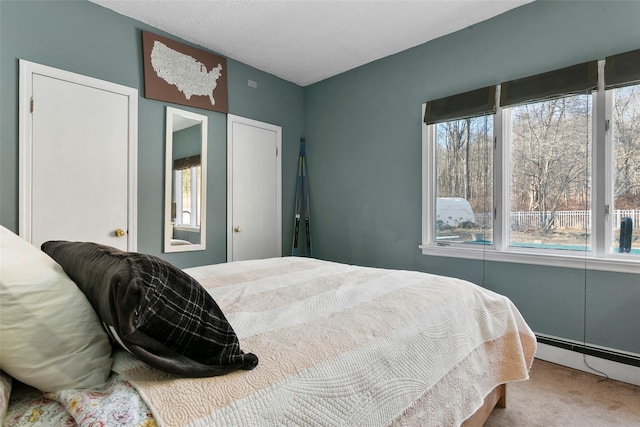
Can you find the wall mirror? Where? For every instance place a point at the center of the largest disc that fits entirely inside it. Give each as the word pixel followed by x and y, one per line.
pixel 185 181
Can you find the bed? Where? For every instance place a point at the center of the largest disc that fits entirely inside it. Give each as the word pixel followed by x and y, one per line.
pixel 338 345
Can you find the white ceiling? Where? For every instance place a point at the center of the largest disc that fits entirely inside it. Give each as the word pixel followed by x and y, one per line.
pixel 306 41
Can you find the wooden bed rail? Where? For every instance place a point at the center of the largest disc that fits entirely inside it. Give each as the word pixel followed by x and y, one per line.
pixel 497 398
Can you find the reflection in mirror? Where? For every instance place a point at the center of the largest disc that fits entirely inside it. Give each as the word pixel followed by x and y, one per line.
pixel 185 181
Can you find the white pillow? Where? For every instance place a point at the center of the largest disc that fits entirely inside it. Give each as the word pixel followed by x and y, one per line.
pixel 50 336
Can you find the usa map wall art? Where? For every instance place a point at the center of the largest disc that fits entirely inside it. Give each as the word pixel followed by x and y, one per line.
pixel 182 74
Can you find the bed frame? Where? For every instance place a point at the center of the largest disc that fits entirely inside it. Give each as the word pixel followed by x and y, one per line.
pixel 497 398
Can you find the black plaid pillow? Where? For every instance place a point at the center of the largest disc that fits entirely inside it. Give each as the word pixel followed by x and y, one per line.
pixel 153 309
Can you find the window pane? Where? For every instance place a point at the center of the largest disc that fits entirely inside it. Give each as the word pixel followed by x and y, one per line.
pixel 550 174
pixel 186 196
pixel 626 169
pixel 464 176
pixel 198 170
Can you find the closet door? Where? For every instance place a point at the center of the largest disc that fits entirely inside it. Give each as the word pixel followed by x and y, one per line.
pixel 254 189
pixel 79 179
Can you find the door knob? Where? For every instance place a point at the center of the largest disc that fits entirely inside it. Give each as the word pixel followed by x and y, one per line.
pixel 237 229
pixel 119 232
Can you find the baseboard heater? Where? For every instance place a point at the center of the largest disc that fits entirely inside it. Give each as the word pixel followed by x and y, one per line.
pixel 611 355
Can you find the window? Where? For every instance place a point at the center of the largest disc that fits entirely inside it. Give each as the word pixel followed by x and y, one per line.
pixel 464 180
pixel 539 178
pixel 550 160
pixel 188 180
pixel 625 183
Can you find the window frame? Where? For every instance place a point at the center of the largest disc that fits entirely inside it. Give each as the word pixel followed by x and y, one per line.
pixel 600 257
pixel 194 219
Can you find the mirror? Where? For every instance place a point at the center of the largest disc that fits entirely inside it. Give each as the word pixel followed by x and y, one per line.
pixel 185 181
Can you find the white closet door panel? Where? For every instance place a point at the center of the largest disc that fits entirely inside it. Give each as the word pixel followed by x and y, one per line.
pixel 255 190
pixel 80 163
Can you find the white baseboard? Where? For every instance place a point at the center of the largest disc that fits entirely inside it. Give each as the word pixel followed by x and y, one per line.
pixel 614 370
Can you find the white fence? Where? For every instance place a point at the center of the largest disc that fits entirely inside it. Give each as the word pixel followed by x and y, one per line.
pixel 562 219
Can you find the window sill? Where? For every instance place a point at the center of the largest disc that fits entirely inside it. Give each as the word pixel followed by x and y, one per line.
pixel 566 259
pixel 186 228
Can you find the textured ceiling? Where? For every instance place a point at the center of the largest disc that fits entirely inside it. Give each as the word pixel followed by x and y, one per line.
pixel 307 41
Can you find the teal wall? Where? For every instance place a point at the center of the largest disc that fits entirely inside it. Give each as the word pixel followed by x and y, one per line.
pixel 186 142
pixel 88 39
pixel 363 137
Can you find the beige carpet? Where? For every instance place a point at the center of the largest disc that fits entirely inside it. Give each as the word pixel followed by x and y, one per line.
pixel 560 396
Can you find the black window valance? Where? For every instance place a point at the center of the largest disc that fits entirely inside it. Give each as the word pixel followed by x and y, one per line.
pixel 186 162
pixel 622 69
pixel 581 78
pixel 474 103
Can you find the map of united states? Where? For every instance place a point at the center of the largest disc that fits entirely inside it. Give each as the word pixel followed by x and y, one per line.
pixel 190 76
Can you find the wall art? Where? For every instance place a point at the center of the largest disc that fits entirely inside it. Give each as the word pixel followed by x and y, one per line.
pixel 182 74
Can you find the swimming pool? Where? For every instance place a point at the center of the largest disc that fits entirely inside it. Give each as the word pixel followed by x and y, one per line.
pixel 581 248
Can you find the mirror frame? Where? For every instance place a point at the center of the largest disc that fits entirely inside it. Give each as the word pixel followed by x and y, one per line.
pixel 171 113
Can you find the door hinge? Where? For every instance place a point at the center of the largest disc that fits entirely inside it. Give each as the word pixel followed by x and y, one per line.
pixel 276 151
pixel 607 124
pixel 31 105
pixel 495 142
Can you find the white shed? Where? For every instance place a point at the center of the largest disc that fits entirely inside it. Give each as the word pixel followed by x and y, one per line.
pixel 454 211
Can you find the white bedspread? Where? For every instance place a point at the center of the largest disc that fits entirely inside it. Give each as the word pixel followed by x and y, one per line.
pixel 342 345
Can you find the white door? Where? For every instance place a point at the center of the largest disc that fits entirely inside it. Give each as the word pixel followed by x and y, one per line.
pixel 76 159
pixel 254 189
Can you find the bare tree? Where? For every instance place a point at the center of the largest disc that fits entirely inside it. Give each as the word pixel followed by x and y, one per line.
pixel 464 158
pixel 550 154
pixel 626 127
pixel 451 141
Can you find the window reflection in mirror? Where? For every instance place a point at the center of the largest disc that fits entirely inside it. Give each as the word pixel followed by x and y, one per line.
pixel 185 180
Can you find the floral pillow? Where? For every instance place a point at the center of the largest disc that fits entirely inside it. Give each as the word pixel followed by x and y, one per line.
pixel 5 391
